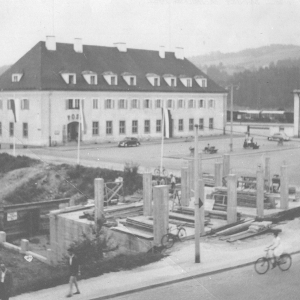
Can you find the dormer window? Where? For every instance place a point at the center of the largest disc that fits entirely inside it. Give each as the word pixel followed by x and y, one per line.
pixel 170 80
pixel 16 77
pixel 154 79
pixel 90 77
pixel 129 78
pixel 68 77
pixel 110 78
pixel 202 82
pixel 186 81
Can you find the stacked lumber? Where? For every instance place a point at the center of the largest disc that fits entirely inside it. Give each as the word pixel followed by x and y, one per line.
pixel 246 198
pixel 259 226
pixel 218 214
pixel 208 179
pixel 125 210
pixel 139 224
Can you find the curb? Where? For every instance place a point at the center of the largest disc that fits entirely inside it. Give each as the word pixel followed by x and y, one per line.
pixel 189 277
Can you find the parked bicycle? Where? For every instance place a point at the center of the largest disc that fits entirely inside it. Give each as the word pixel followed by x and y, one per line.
pixel 262 265
pixel 169 239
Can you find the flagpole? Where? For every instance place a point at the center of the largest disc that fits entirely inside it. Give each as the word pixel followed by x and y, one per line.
pixel 14 145
pixel 15 116
pixel 162 142
pixel 78 136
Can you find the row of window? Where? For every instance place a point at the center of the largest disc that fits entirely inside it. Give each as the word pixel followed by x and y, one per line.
pixel 12 129
pixel 147 126
pixel 24 104
pixel 122 127
pixel 146 103
pixel 112 79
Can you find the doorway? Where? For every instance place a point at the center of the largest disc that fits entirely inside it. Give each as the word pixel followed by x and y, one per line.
pixel 72 131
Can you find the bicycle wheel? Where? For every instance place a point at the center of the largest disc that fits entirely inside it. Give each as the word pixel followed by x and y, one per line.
pixel 285 262
pixel 262 265
pixel 167 241
pixel 181 234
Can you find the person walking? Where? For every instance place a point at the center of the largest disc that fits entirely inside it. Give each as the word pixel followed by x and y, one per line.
pixel 74 268
pixel 6 282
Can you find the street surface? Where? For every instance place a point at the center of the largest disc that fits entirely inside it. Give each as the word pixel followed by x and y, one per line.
pixel 176 153
pixel 238 284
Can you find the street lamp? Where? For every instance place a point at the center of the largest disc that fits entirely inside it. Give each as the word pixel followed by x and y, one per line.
pixel 231 87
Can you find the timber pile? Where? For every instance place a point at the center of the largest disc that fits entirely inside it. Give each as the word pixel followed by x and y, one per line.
pixel 246 198
pixel 189 219
pixel 139 224
pixel 208 179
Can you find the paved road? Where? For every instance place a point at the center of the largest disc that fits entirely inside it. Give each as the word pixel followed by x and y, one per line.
pixel 175 155
pixel 238 284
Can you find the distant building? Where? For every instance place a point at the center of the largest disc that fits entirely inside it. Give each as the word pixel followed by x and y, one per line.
pixel 111 91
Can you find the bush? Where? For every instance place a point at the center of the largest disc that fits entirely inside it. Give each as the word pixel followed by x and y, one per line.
pixel 132 180
pixel 9 162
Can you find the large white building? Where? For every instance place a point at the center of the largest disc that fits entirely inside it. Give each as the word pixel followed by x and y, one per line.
pixel 112 92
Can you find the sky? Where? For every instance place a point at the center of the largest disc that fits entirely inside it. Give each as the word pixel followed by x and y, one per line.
pixel 199 26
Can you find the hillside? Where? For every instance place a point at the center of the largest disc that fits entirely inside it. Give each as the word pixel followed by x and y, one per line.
pixel 248 59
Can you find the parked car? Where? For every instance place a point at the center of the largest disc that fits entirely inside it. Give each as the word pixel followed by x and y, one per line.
pixel 279 136
pixel 129 141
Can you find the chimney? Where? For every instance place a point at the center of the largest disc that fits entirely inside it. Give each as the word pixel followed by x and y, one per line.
pixel 50 43
pixel 162 51
pixel 179 53
pixel 121 47
pixel 78 45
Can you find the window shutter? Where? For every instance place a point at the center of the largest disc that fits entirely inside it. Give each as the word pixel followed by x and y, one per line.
pixel 113 103
pixel 67 103
pixel 204 104
pixel 126 103
pixel 150 103
pixel 138 104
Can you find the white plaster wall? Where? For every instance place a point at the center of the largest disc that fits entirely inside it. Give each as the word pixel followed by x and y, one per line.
pixel 44 104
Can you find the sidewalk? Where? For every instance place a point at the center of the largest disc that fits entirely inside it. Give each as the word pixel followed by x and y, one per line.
pixel 216 256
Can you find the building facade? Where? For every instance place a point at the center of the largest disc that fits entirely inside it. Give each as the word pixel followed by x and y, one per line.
pixel 107 93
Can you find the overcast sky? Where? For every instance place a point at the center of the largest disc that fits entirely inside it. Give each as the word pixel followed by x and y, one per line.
pixel 200 26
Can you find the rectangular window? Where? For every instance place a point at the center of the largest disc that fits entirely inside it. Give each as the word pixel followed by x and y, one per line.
pixel 15 78
pixel 122 129
pixel 95 103
pixel 172 82
pixel 93 79
pixel 134 103
pixel 158 103
pixel 180 125
pixel 134 126
pixel 70 103
pixel 147 126
pixel 211 123
pixel 155 81
pixel 122 103
pixel 1 104
pixel 169 105
pixel 77 101
pixel 188 83
pixel 109 127
pixel 0 128
pixel 147 103
pixel 131 80
pixel 201 124
pixel 108 103
pixel 11 129
pixel 24 104
pixel 191 103
pixel 201 103
pixel 191 124
pixel 95 128
pixel 211 103
pixel 25 130
pixel 71 79
pixel 9 103
pixel 180 103
pixel 113 80
pixel 158 125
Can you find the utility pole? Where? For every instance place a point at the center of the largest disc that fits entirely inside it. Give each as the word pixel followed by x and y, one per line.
pixel 231 86
pixel 196 197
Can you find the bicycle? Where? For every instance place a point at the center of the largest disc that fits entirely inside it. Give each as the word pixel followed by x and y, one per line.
pixel 160 172
pixel 169 239
pixel 262 265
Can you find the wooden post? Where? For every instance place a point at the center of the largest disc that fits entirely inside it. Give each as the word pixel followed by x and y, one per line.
pixel 99 198
pixel 260 192
pixel 202 212
pixel 160 212
pixel 226 165
pixel 191 177
pixel 284 189
pixel 267 173
pixel 185 200
pixel 218 174
pixel 147 194
pixel 231 199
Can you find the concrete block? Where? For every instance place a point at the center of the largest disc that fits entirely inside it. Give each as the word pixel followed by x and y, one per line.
pixel 24 246
pixel 2 237
pixel 185 200
pixel 260 192
pixel 147 194
pixel 284 188
pixel 231 199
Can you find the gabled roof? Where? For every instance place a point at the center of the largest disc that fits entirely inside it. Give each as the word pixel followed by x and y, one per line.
pixel 42 70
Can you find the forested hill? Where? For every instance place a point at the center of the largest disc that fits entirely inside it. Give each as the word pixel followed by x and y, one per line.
pixel 267 75
pixel 248 59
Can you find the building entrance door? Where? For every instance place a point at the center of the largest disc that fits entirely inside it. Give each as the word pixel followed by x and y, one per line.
pixel 72 131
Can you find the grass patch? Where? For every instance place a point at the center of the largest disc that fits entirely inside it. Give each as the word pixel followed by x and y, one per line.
pixel 35 275
pixel 10 163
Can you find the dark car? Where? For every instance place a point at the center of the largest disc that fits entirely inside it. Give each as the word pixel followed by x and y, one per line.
pixel 129 141
pixel 278 136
